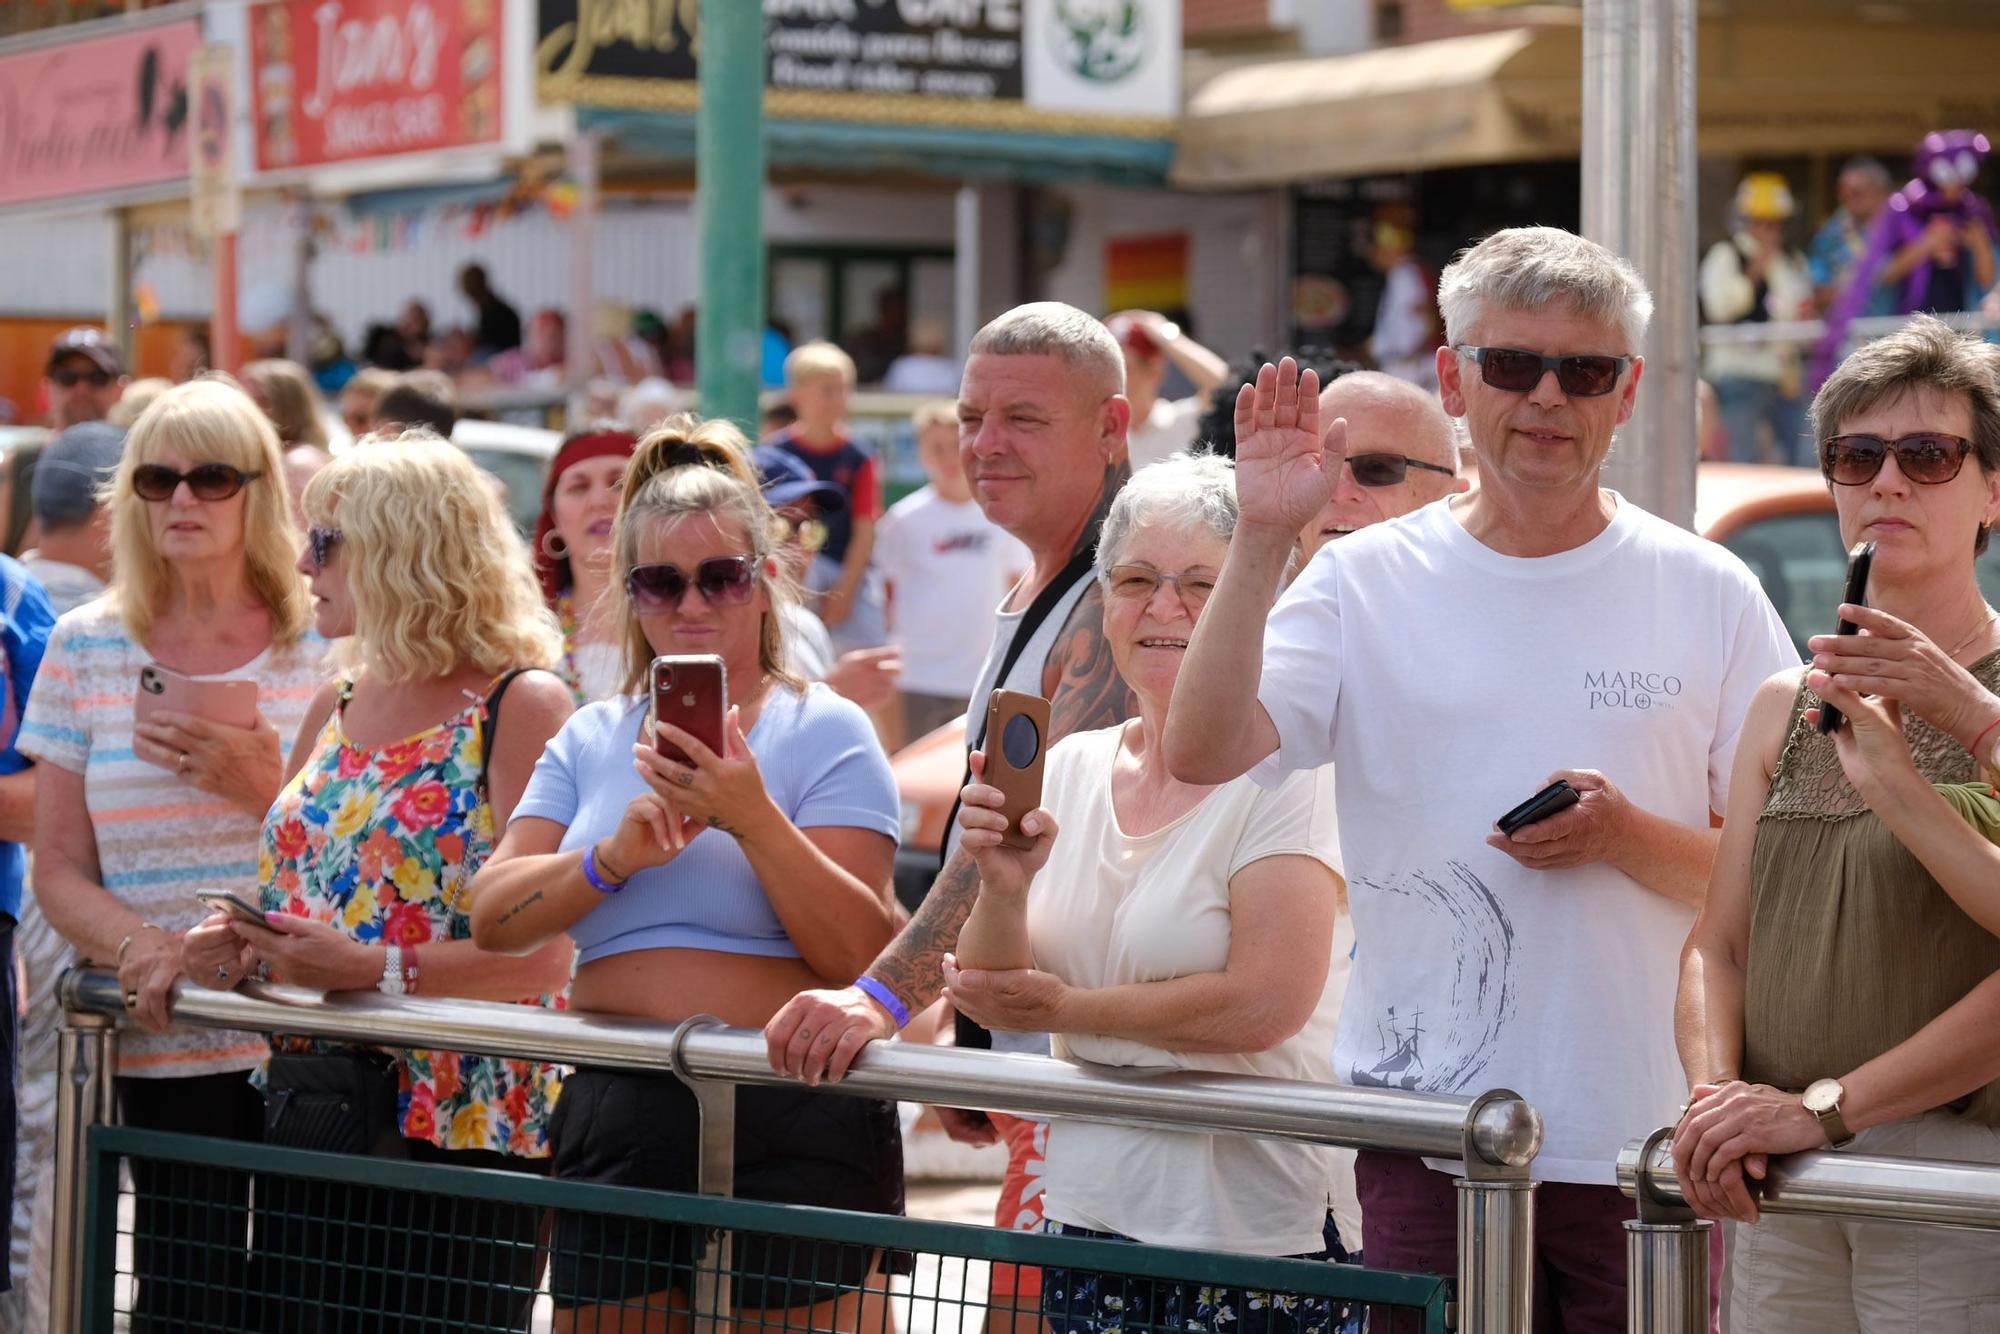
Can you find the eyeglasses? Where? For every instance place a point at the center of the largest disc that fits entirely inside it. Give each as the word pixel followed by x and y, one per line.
pixel 1929 458
pixel 722 581
pixel 808 533
pixel 1388 469
pixel 1518 371
pixel 320 543
pixel 66 377
pixel 1138 583
pixel 208 481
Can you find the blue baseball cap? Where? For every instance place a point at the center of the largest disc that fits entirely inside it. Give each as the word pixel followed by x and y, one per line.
pixel 787 480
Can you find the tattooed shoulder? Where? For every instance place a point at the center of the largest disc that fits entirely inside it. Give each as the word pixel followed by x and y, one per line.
pixel 1081 681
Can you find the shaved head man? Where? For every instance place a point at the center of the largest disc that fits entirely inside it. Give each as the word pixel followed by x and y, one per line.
pixel 1402 453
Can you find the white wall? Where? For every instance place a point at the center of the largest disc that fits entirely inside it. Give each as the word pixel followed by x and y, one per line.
pixel 1327 27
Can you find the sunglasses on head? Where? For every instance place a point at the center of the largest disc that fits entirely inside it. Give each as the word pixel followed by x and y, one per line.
pixel 1928 458
pixel 722 581
pixel 68 377
pixel 1388 469
pixel 320 543
pixel 1518 371
pixel 207 481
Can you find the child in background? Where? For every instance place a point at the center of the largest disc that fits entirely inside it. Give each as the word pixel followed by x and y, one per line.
pixel 947 567
pixel 819 377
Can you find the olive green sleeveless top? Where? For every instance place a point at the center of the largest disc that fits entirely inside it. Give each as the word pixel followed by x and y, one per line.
pixel 1853 946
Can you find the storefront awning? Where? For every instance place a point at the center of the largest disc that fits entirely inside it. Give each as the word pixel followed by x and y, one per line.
pixel 1515 95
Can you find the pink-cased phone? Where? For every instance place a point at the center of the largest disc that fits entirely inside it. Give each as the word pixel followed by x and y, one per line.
pixel 162 689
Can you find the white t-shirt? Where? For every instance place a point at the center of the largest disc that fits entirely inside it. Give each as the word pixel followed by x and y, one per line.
pixel 1109 910
pixel 807 641
pixel 1168 428
pixel 1446 682
pixel 948 566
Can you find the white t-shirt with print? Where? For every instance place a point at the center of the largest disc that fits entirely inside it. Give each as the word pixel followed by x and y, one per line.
pixel 1446 682
pixel 1110 909
pixel 948 566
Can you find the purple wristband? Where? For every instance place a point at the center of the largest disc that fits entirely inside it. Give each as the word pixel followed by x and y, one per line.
pixel 897 1010
pixel 597 881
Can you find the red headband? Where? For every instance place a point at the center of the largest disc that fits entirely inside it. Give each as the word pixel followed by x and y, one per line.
pixel 577 449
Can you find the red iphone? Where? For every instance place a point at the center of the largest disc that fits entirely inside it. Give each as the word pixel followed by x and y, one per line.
pixel 161 689
pixel 692 693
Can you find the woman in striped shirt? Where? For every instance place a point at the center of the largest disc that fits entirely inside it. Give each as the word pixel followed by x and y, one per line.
pixel 131 818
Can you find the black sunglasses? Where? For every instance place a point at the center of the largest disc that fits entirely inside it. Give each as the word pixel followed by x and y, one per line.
pixel 320 543
pixel 1388 469
pixel 1928 458
pixel 1518 371
pixel 722 581
pixel 68 378
pixel 208 481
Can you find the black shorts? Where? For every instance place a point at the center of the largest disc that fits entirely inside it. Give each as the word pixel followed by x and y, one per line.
pixel 793 1146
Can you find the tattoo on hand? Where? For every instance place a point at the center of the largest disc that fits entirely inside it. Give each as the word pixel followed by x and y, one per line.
pixel 519 908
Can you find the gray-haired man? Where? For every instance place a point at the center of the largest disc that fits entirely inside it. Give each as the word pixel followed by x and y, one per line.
pixel 1452 662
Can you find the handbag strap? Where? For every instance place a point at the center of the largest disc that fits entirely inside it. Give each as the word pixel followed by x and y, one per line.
pixel 489 712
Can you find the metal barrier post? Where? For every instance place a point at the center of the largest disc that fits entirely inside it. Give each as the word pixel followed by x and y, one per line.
pixel 86 1056
pixel 1666 1257
pixel 715 1174
pixel 1496 1216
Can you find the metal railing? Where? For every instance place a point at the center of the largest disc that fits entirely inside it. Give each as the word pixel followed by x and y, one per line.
pixel 1667 1247
pixel 1495 1135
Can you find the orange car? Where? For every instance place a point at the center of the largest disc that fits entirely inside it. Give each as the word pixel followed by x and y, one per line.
pixel 1780 521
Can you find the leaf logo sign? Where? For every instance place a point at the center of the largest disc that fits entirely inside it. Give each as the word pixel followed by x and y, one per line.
pixel 1100 40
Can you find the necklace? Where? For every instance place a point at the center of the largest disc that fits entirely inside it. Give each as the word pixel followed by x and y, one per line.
pixel 1985 624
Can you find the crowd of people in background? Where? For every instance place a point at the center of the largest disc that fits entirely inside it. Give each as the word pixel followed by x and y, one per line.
pixel 1298 655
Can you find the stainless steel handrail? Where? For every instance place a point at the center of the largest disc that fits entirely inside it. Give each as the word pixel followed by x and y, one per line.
pixel 1496 1135
pixel 1667 1250
pixel 1502 1133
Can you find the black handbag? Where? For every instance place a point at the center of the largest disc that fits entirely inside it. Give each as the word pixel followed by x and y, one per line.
pixel 335 1102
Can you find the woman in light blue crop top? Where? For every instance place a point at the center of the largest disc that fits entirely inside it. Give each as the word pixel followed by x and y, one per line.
pixel 724 885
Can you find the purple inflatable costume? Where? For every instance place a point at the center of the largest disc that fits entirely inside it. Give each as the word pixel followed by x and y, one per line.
pixel 1946 163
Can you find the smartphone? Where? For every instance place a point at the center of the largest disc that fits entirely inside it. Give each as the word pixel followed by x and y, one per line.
pixel 1557 796
pixel 235 905
pixel 692 693
pixel 1017 729
pixel 162 689
pixel 1858 562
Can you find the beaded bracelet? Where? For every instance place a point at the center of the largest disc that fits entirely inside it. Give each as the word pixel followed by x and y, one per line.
pixel 596 878
pixel 886 998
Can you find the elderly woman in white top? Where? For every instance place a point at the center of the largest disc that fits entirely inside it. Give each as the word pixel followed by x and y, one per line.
pixel 1159 925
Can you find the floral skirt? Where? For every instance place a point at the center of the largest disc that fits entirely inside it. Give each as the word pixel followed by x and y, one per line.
pixel 1083 1301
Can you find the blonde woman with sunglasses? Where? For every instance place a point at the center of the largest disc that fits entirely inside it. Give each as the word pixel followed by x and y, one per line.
pixel 724 884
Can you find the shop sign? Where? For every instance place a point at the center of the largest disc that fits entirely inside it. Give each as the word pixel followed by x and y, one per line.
pixel 214 202
pixel 345 80
pixel 96 115
pixel 881 59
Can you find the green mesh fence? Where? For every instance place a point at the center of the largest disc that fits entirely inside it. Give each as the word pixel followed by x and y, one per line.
pixel 192 1234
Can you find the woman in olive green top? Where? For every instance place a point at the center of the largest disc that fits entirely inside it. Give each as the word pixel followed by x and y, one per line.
pixel 1843 979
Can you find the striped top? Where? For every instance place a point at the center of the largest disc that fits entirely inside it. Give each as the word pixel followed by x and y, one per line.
pixel 159 838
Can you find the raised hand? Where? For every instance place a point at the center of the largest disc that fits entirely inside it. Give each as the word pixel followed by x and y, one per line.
pixel 1285 469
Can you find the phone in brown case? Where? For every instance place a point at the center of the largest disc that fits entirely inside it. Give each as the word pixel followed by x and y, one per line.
pixel 1017 729
pixel 233 702
pixel 692 693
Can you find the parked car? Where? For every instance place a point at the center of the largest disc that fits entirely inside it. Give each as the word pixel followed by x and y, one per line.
pixel 1780 521
pixel 517 455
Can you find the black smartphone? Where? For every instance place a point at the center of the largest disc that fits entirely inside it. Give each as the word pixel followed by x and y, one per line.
pixel 1557 796
pixel 1858 561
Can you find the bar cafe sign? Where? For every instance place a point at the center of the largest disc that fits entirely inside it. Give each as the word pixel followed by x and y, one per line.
pixel 1011 63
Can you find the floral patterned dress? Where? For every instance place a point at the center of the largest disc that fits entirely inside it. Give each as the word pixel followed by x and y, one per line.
pixel 382 842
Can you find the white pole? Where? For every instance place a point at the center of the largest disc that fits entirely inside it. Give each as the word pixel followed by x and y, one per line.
pixel 965 269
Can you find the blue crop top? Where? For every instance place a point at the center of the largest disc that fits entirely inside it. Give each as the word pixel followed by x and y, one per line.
pixel 821 764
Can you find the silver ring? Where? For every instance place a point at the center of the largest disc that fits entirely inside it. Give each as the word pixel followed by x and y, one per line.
pixel 131 1000
pixel 222 972
pixel 181 767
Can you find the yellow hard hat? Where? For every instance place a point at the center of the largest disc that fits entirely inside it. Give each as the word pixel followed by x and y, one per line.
pixel 1764 196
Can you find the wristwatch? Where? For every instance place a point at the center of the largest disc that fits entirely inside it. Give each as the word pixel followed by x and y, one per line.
pixel 1822 1099
pixel 392 973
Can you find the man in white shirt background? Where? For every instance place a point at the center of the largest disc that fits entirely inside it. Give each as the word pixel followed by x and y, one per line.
pixel 1150 341
pixel 1452 662
pixel 948 567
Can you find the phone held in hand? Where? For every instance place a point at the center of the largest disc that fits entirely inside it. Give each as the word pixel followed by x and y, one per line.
pixel 232 904
pixel 1017 729
pixel 1557 796
pixel 163 690
pixel 692 693
pixel 1858 562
